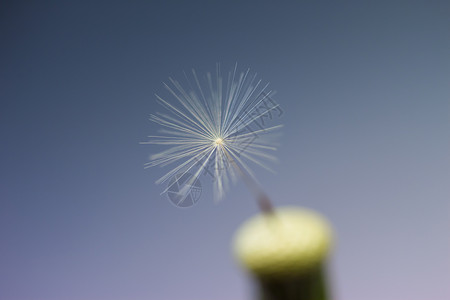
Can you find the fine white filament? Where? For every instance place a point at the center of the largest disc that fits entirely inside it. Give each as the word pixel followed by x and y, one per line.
pixel 208 127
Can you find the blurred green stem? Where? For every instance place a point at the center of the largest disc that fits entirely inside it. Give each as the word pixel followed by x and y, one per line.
pixel 311 285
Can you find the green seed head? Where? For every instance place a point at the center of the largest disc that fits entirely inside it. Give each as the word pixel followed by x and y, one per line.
pixel 285 243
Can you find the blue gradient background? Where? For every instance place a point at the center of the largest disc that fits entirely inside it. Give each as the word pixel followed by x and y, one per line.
pixel 365 90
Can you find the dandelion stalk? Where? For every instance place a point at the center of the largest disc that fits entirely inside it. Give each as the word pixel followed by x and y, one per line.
pixel 263 200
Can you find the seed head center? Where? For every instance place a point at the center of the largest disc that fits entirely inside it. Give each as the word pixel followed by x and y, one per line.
pixel 218 142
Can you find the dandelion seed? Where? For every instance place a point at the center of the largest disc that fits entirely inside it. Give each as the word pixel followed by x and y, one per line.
pixel 209 126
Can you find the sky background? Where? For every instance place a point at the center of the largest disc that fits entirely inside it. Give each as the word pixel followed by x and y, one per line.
pixel 364 86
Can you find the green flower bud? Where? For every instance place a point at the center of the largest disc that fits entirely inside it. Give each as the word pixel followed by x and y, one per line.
pixel 288 242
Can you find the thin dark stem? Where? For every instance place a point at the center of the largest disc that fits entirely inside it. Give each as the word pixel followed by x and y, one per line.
pixel 261 197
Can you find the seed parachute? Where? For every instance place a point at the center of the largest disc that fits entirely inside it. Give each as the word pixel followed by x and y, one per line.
pixel 210 125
